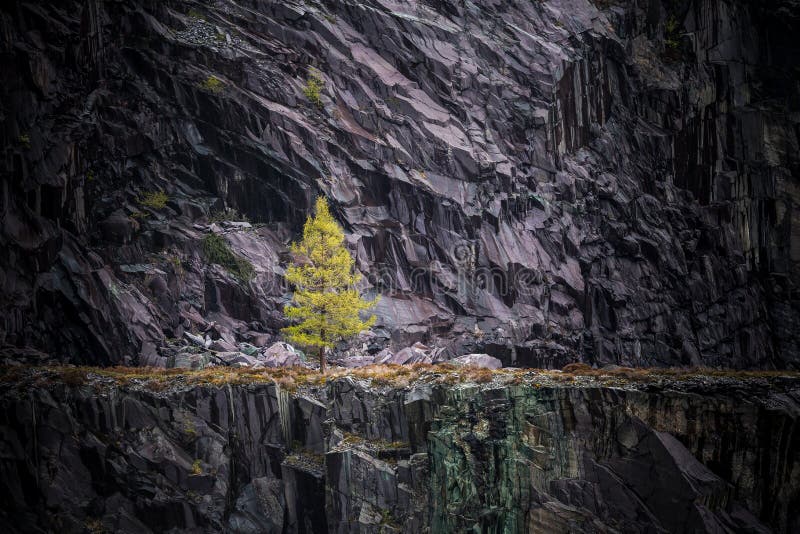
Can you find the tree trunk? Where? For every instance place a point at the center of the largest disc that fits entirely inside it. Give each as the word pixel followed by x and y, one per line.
pixel 322 360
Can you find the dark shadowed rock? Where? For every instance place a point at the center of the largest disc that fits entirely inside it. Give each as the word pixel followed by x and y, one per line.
pixel 431 457
pixel 118 228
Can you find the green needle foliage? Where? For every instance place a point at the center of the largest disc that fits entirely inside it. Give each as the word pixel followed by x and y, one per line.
pixel 326 306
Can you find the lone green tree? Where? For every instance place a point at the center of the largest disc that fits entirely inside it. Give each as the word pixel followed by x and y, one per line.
pixel 326 305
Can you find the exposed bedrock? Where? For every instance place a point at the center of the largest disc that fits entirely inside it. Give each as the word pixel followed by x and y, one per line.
pixel 541 181
pixel 711 455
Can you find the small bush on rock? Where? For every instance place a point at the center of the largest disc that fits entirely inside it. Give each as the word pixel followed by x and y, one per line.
pixel 217 251
pixel 213 84
pixel 156 200
pixel 313 89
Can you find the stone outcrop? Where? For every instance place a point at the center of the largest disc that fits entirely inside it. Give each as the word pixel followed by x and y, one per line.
pixel 541 181
pixel 522 453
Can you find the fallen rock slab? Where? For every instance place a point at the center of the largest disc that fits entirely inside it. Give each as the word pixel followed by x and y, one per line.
pixel 478 360
pixel 281 354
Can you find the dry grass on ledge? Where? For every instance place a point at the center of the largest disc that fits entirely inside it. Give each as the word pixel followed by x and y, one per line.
pixel 391 375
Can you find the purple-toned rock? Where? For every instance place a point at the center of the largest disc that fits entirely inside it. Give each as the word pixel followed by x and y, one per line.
pixel 417 353
pixel 281 354
pixel 383 356
pixel 540 192
pixel 478 360
pixel 220 345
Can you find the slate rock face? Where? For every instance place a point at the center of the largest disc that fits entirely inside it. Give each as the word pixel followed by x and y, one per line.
pixel 539 181
pixel 711 455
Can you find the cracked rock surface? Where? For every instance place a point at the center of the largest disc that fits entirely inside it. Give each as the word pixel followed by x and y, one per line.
pixel 543 182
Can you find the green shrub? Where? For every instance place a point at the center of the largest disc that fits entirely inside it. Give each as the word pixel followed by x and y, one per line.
pixel 156 200
pixel 217 251
pixel 197 469
pixel 313 89
pixel 672 35
pixel 213 84
pixel 25 141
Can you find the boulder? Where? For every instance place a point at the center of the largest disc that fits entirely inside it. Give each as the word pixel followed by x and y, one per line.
pixel 416 353
pixel 281 354
pixel 383 356
pixel 221 345
pixel 478 360
pixel 188 360
pixel 200 341
pixel 239 359
pixel 248 349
